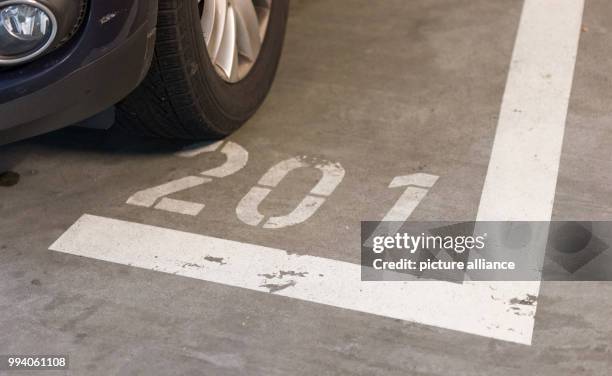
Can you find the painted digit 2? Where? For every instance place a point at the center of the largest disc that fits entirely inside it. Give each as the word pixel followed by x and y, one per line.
pixel 332 175
pixel 237 158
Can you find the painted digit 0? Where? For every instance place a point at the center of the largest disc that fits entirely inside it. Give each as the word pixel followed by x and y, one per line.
pixel 248 208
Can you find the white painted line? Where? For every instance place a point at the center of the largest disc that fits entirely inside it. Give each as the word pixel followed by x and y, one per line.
pixel 180 206
pixel 247 210
pixel 417 186
pixel 305 209
pixel 237 158
pixel 148 197
pixel 412 196
pixel 522 175
pixel 313 279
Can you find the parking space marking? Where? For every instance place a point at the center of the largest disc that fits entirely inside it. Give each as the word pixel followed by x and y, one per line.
pixel 522 175
pixel 520 185
pixel 314 279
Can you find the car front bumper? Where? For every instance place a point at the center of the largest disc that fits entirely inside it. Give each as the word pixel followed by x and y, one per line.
pixel 99 67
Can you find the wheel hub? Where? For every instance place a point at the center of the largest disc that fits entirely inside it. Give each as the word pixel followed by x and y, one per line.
pixel 234 31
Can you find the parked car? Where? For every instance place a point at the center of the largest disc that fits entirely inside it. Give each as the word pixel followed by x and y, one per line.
pixel 186 69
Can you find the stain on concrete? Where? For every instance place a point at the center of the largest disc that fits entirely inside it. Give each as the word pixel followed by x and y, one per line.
pixel 17 274
pixel 281 274
pixel 319 162
pixel 292 273
pixel 529 300
pixel 61 300
pixel 192 265
pixel 9 179
pixel 218 260
pixel 79 338
pixel 274 287
pixel 521 312
pixel 84 315
pixel 36 282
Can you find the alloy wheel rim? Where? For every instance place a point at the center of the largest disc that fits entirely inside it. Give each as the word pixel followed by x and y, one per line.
pixel 234 31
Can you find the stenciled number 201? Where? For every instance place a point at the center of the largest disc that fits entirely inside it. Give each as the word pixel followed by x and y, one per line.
pixel 247 209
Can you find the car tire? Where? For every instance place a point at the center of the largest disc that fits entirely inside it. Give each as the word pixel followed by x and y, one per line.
pixel 185 95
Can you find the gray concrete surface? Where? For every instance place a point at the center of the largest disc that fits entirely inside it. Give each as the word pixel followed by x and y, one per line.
pixel 386 88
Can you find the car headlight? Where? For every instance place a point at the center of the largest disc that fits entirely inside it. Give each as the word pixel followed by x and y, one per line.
pixel 27 29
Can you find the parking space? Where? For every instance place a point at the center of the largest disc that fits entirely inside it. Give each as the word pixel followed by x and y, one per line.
pixel 240 257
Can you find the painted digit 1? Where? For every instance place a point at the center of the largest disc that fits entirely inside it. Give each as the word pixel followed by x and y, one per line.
pixel 248 208
pixel 237 158
pixel 417 186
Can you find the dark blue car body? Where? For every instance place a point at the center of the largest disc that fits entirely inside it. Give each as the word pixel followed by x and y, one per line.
pixel 98 67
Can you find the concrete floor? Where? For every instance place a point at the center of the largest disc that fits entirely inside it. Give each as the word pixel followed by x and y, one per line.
pixel 387 89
